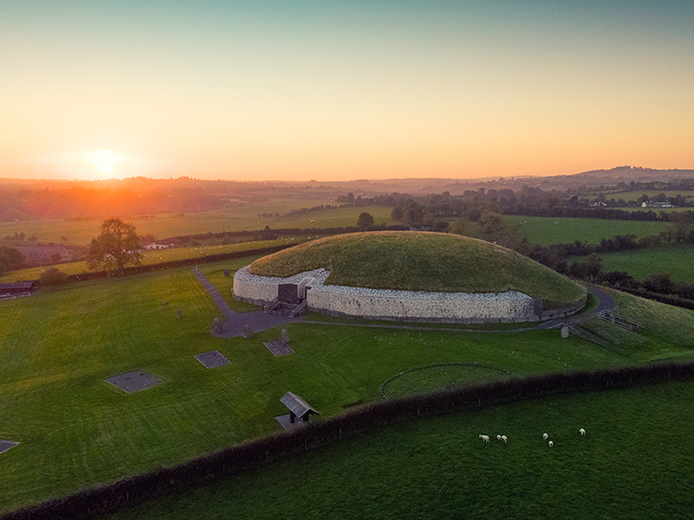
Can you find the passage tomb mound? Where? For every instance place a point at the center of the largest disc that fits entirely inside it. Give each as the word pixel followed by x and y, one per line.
pixel 408 276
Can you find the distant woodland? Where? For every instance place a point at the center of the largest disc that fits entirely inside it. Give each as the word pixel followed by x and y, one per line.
pixel 34 199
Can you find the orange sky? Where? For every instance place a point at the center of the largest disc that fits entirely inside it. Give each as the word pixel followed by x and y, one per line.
pixel 323 91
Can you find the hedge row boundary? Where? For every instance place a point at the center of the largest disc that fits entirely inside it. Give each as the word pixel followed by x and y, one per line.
pixel 140 488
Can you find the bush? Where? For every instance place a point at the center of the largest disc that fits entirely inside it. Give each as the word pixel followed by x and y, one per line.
pixel 53 276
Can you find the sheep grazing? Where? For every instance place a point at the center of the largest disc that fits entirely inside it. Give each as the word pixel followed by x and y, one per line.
pixel 551 444
pixel 582 432
pixel 498 437
pixel 485 438
pixel 504 438
pixel 545 436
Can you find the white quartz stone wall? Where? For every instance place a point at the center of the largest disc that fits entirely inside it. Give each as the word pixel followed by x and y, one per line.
pixel 510 306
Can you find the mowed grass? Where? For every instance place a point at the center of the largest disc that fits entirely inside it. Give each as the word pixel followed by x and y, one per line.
pixel 77 431
pixel 230 218
pixel 419 261
pixel 634 463
pixel 676 260
pixel 546 231
pixel 154 257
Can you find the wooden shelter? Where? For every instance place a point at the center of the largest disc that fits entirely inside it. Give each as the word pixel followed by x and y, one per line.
pixel 18 288
pixel 298 408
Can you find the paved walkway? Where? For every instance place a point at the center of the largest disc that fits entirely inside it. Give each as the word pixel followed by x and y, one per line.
pixel 260 321
pixel 236 321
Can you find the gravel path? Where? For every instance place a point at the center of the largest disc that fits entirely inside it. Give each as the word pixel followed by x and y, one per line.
pixel 236 321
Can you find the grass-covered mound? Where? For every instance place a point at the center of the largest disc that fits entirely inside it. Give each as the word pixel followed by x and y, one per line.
pixel 415 261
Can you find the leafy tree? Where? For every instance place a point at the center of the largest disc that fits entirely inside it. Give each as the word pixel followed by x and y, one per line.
pixel 462 226
pixel 365 221
pixel 53 276
pixel 117 246
pixel 10 258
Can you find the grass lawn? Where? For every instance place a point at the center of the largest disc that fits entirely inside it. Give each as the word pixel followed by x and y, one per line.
pixel 231 218
pixel 634 463
pixel 546 231
pixel 676 260
pixel 77 431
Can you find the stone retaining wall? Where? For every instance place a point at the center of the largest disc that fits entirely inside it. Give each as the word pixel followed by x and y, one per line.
pixel 394 305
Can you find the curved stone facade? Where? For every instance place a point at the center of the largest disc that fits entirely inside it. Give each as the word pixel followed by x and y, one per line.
pixel 395 305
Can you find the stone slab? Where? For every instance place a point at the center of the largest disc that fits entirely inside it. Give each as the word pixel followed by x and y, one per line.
pixel 133 381
pixel 287 425
pixel 7 445
pixel 278 348
pixel 212 359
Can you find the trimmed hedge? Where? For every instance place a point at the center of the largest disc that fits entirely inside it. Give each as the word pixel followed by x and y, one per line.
pixel 144 487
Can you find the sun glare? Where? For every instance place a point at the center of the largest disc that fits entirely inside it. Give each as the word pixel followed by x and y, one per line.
pixel 104 160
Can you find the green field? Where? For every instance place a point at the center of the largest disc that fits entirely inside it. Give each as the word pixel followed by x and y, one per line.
pixel 232 218
pixel 545 231
pixel 634 463
pixel 676 260
pixel 77 431
pixel 154 257
pixel 635 195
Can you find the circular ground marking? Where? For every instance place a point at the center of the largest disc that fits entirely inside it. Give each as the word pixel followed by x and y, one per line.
pixel 432 378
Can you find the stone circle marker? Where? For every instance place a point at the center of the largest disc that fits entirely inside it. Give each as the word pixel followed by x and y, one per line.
pixel 133 381
pixel 212 359
pixel 565 332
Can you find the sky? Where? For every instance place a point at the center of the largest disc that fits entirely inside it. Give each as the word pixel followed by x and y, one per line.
pixel 324 90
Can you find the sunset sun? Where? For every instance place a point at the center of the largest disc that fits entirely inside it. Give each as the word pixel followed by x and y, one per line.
pixel 105 161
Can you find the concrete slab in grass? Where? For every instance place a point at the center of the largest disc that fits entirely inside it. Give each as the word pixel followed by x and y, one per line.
pixel 6 445
pixel 212 359
pixel 278 348
pixel 133 381
pixel 286 422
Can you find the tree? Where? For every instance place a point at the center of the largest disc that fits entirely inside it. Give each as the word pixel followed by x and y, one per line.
pixel 53 276
pixel 10 258
pixel 365 221
pixel 117 246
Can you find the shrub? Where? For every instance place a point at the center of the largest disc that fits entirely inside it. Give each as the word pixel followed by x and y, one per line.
pixel 53 276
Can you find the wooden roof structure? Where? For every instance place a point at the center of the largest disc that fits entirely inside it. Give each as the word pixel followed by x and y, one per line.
pixel 18 287
pixel 297 406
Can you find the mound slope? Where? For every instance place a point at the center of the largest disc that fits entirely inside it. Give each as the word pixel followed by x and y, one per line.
pixel 418 261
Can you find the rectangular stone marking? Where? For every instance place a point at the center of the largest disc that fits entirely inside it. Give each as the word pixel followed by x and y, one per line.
pixel 6 445
pixel 133 381
pixel 212 359
pixel 278 348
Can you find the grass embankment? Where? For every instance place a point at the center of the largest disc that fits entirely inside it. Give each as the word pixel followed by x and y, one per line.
pixel 415 261
pixel 634 462
pixel 546 230
pixel 675 260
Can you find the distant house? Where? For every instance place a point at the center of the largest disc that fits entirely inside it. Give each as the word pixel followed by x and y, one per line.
pixel 650 204
pixel 156 246
pixel 37 255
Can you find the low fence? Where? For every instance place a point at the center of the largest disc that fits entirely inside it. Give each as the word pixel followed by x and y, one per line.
pixel 144 487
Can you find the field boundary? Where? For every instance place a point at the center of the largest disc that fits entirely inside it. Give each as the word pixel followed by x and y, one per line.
pixel 140 488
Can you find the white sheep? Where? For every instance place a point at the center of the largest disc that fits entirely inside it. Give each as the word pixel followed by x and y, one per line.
pixel 545 436
pixel 582 432
pixel 504 438
pixel 485 438
pixel 551 444
pixel 498 437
